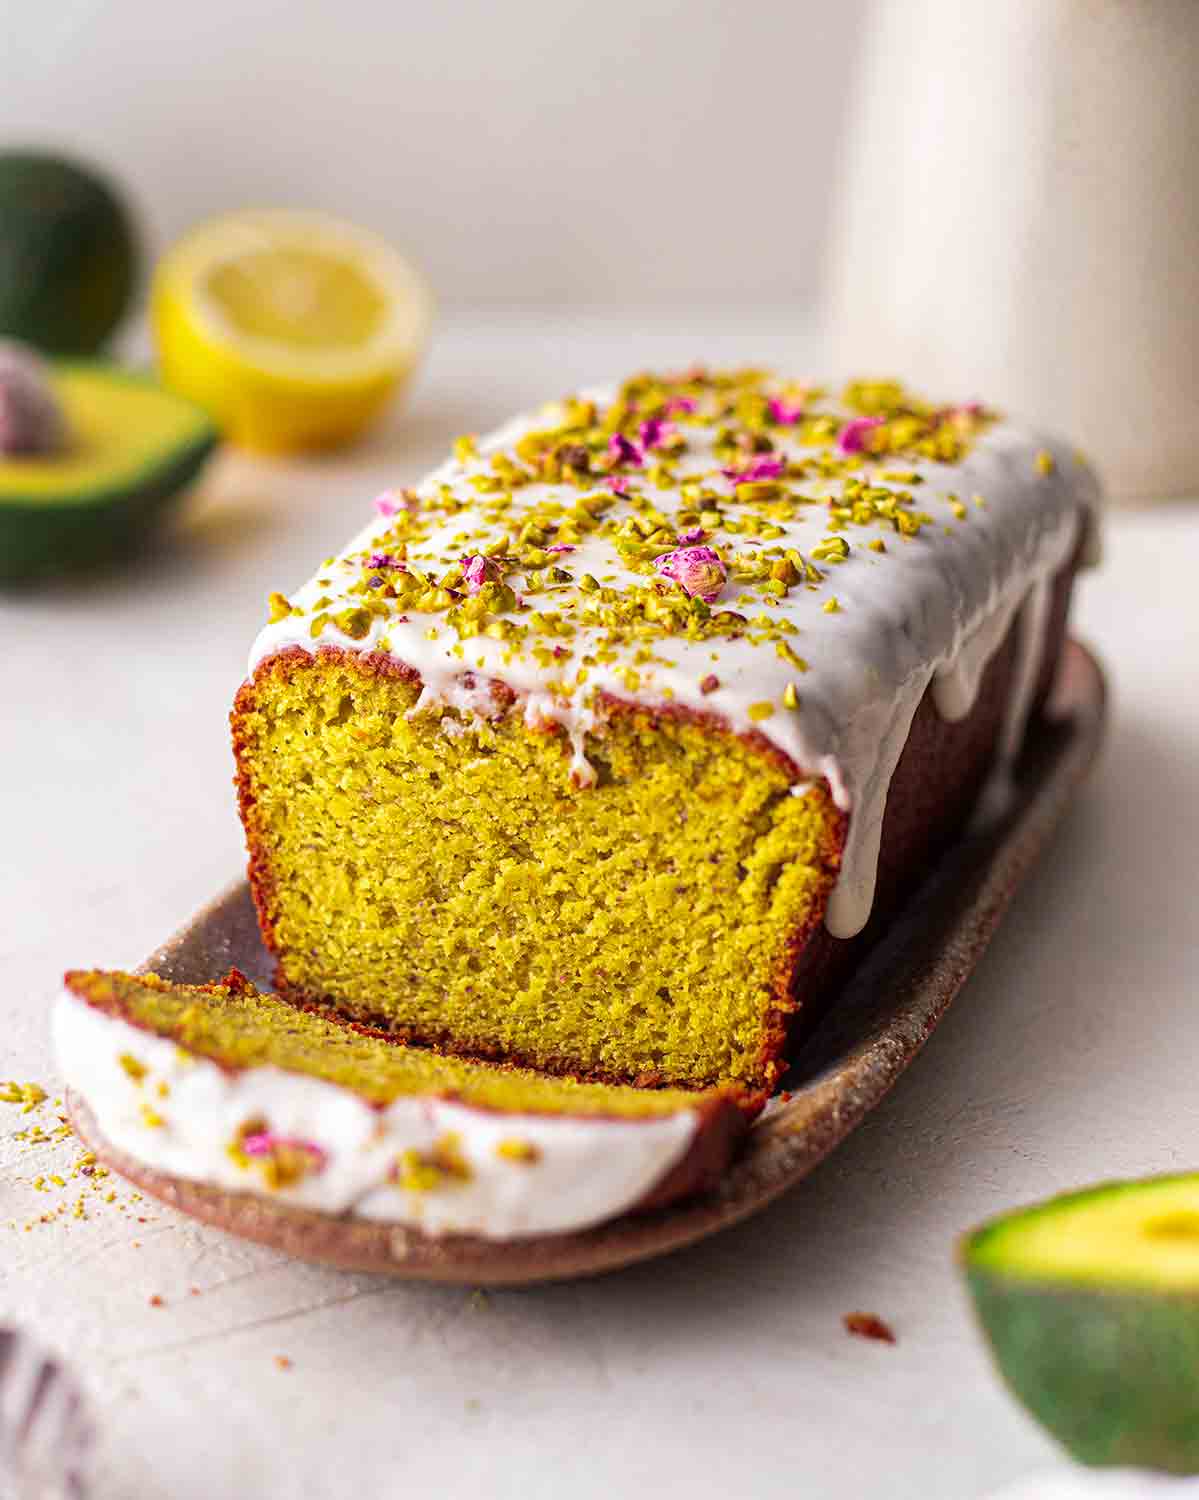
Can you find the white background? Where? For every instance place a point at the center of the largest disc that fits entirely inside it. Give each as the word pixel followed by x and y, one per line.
pixel 587 151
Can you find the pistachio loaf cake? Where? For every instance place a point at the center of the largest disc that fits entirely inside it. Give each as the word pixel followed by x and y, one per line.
pixel 606 748
pixel 226 1085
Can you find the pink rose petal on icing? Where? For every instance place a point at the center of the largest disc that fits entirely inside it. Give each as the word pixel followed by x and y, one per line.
pixel 696 534
pixel 852 437
pixel 384 560
pixel 266 1142
pixel 697 570
pixel 685 404
pixel 653 431
pixel 386 504
pixel 618 484
pixel 560 547
pixel 783 413
pixel 476 571
pixel 761 468
pixel 623 450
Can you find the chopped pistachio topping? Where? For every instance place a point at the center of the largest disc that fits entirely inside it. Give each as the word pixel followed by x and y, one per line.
pixel 691 507
pixel 517 1149
pixel 427 1172
pixel 27 1095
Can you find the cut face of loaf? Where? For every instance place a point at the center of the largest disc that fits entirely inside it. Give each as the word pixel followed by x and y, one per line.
pixel 446 878
pixel 590 752
pixel 226 1085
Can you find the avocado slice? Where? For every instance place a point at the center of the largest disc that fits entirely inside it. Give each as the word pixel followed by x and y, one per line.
pixel 131 447
pixel 1091 1305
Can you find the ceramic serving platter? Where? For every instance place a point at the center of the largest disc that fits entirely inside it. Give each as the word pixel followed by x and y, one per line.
pixel 870 1035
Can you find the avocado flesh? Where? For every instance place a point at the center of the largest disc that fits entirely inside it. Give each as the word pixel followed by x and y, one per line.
pixel 1091 1305
pixel 132 448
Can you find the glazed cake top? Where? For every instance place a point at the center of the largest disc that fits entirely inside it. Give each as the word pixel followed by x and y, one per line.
pixel 794 563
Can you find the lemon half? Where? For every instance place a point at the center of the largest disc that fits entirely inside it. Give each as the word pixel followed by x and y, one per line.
pixel 294 330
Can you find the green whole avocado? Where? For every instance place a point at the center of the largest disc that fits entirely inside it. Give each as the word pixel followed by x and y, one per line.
pixel 1090 1303
pixel 68 254
pixel 84 482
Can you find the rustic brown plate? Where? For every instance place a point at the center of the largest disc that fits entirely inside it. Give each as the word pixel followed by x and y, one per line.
pixel 879 1023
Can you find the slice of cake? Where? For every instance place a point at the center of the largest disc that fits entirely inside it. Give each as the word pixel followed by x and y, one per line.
pixel 602 748
pixel 226 1085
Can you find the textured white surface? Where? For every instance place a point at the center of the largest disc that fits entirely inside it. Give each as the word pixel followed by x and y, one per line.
pixel 1069 1056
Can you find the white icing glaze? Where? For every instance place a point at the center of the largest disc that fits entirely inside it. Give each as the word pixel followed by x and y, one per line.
pixel 931 609
pixel 957 681
pixel 586 1170
pixel 1032 628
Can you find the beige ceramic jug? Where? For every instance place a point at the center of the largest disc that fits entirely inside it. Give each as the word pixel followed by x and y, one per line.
pixel 1020 219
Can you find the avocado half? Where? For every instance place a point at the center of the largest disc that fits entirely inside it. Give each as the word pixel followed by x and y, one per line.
pixel 132 447
pixel 1091 1306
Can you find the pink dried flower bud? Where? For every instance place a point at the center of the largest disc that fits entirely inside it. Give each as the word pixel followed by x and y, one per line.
pixel 478 570
pixel 784 413
pixel 853 436
pixel 965 415
pixel 697 570
pixel 266 1143
pixel 685 404
pixel 623 450
pixel 653 431
pixel 761 468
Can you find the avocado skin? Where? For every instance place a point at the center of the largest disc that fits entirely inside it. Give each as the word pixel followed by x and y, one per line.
pixel 64 536
pixel 1113 1373
pixel 68 254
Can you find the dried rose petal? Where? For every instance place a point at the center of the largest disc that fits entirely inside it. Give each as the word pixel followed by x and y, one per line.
pixel 965 415
pixel 696 534
pixel 697 570
pixel 653 430
pixel 624 451
pixel 384 560
pixel 685 404
pixel 618 484
pixel 387 504
pixel 266 1143
pixel 784 413
pixel 560 547
pixel 761 468
pixel 478 570
pixel 852 437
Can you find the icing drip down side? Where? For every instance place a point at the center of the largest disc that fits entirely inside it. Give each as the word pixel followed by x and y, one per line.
pixel 746 548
